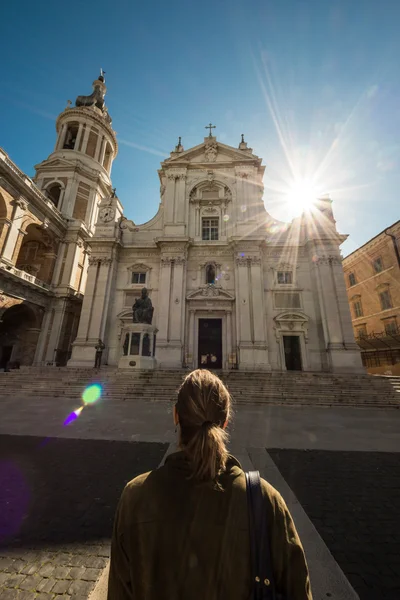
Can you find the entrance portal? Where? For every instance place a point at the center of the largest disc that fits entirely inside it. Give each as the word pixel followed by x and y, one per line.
pixel 291 344
pixel 210 343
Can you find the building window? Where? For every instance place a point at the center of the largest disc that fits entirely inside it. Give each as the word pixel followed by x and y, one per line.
pixel 361 331
pixel 378 265
pixel 287 300
pixel 285 277
pixel 386 301
pixel 352 279
pixel 358 311
pixel 139 278
pixel 210 274
pixel 391 326
pixel 209 229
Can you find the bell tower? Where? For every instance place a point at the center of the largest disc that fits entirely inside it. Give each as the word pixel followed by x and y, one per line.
pixel 77 175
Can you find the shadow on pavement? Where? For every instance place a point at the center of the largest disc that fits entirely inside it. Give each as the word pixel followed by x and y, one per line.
pixel 62 491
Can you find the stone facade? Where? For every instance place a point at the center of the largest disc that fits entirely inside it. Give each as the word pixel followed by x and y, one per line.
pixel 231 286
pixel 46 224
pixel 372 274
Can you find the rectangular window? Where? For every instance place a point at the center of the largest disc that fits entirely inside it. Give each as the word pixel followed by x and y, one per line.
pixel 209 229
pixel 385 299
pixel 378 265
pixel 361 331
pixel 391 327
pixel 285 277
pixel 286 300
pixel 352 279
pixel 138 277
pixel 358 311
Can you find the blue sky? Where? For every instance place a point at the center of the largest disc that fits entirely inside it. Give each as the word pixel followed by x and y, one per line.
pixel 313 85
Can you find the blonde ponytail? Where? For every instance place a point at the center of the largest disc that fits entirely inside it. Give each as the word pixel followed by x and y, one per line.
pixel 203 409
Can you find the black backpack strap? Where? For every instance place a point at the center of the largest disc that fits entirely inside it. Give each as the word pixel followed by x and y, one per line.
pixel 262 577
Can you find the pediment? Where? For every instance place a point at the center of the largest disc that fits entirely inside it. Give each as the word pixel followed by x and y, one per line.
pixel 210 291
pixel 291 316
pixel 202 154
pixel 55 162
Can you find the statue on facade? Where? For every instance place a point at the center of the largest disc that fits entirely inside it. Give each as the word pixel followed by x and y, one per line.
pixel 143 309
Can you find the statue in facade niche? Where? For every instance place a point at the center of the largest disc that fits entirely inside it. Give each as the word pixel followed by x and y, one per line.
pixel 143 309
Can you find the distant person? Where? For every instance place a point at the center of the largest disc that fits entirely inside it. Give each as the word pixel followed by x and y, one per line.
pixel 99 353
pixel 181 532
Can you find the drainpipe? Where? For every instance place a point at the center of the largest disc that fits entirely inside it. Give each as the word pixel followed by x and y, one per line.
pixel 396 249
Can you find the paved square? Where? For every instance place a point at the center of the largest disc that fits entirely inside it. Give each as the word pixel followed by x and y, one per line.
pixel 353 499
pixel 57 504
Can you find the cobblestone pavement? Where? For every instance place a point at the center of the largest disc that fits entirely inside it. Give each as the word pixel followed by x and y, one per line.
pixel 353 499
pixel 57 504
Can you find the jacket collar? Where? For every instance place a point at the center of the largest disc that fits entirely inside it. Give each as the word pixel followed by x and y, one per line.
pixel 177 461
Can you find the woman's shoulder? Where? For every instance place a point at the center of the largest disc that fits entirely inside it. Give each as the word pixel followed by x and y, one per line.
pixel 277 502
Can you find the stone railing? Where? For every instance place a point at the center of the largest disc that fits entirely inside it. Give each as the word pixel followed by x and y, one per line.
pixel 26 276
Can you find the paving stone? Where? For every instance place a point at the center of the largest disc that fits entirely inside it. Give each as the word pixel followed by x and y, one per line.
pixel 46 585
pixel 30 568
pixel 3 578
pixel 91 574
pixel 61 587
pixel 14 580
pixel 43 596
pixel 80 587
pixel 95 562
pixel 8 594
pixel 76 573
pixel 61 572
pixel 30 582
pixel 46 570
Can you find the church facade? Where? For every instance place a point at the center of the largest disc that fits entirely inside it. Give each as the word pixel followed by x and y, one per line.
pixel 231 287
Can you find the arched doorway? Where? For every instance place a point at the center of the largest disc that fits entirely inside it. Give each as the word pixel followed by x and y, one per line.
pixel 19 333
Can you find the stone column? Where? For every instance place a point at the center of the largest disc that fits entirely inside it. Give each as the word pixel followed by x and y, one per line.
pixel 228 335
pixel 178 302
pixel 190 346
pixel 59 262
pixel 244 332
pixel 71 263
pixel 61 137
pixel 102 150
pixel 92 325
pixel 13 239
pixel 70 196
pixel 79 136
pixel 39 354
pixel 59 313
pixel 98 145
pixel 343 353
pixel 259 335
pixel 85 138
pixel 164 298
pixel 169 199
pixel 180 204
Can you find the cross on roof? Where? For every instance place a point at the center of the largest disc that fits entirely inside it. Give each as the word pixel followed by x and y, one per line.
pixel 210 127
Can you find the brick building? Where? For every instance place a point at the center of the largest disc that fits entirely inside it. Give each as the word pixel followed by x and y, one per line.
pixel 373 287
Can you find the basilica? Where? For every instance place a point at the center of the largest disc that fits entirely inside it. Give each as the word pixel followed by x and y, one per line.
pixel 229 286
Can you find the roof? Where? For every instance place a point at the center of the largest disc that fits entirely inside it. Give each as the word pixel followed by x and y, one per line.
pixel 372 239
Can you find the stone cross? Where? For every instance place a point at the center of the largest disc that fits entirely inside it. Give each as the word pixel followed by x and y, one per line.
pixel 210 127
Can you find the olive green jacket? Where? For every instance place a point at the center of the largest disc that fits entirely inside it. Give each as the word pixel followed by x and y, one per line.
pixel 177 539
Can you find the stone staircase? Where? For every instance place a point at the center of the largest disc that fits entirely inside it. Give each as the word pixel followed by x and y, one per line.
pixel 291 388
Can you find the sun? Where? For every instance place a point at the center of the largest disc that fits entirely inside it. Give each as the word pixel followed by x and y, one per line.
pixel 301 196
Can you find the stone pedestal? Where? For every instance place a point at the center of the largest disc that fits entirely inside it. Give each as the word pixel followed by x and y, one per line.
pixel 138 342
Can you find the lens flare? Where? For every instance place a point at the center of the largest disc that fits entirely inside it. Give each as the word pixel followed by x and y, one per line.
pixel 243 208
pixel 92 393
pixel 73 416
pixel 226 218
